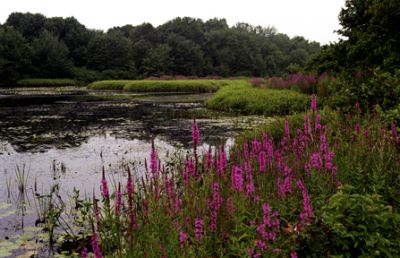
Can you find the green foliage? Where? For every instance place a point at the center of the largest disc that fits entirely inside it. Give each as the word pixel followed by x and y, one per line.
pixel 248 100
pixel 362 225
pixel 164 85
pixel 379 88
pixel 45 82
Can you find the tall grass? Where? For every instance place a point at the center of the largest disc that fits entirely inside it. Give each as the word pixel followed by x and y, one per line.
pixel 46 82
pixel 248 100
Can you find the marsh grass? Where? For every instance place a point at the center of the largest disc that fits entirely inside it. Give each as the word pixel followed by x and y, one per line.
pixel 250 101
pixel 197 86
pixel 21 177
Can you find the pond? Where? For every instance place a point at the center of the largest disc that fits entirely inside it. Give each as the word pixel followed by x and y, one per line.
pixel 64 137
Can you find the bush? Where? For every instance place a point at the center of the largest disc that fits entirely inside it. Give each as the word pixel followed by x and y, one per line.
pixel 157 85
pixel 361 225
pixel 46 82
pixel 247 100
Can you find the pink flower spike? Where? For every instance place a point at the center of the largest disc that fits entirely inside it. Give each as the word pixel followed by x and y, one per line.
pixel 314 103
pixel 104 187
pixel 195 133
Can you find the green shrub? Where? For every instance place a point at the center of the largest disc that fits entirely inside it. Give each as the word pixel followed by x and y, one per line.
pixel 108 85
pixel 46 82
pixel 164 85
pixel 361 225
pixel 247 100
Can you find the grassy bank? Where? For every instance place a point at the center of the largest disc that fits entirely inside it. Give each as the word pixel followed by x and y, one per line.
pixel 248 100
pixel 200 86
pixel 45 82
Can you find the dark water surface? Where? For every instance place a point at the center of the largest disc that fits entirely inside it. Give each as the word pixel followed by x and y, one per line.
pixel 65 136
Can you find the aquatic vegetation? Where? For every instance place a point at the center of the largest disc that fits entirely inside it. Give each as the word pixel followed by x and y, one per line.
pixel 275 195
pixel 199 86
pixel 21 178
pixel 248 100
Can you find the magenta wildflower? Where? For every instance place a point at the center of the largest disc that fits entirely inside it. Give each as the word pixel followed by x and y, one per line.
pixel 318 122
pixel 96 246
pixel 195 133
pixel 183 237
pixel 357 127
pixel 262 161
pixel 199 228
pixel 266 217
pixel 275 221
pixel 153 161
pixel 104 187
pixel 307 214
pixel 261 245
pixel 84 253
pixel 221 162
pixel 214 205
pixel 293 254
pixel 314 103
pixel 366 133
pixel 237 178
pixel 287 130
pixel 315 160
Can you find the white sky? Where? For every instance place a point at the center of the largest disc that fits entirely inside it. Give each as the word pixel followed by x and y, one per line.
pixel 312 19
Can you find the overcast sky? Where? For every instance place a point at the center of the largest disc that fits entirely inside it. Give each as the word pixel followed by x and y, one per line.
pixel 312 19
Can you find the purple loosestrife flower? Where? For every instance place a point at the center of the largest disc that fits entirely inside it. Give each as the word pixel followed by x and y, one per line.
pixel 199 228
pixel 214 205
pixel 195 133
pixel 366 133
pixel 318 122
pixel 307 214
pixel 315 160
pixel 237 178
pixel 266 217
pixel 314 103
pixel 183 237
pixel 323 146
pixel 261 245
pixel 275 221
pixel 221 162
pixel 262 161
pixel 357 128
pixel 249 178
pixel 84 253
pixel 104 187
pixel 153 160
pixel 96 246
pixel 118 201
pixel 293 254
pixel 281 188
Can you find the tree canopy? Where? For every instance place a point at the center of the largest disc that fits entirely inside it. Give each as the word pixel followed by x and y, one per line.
pixel 37 46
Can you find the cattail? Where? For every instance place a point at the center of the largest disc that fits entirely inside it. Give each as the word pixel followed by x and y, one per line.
pixel 199 227
pixel 314 103
pixel 96 246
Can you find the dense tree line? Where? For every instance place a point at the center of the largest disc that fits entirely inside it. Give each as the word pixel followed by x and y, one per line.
pixel 33 46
